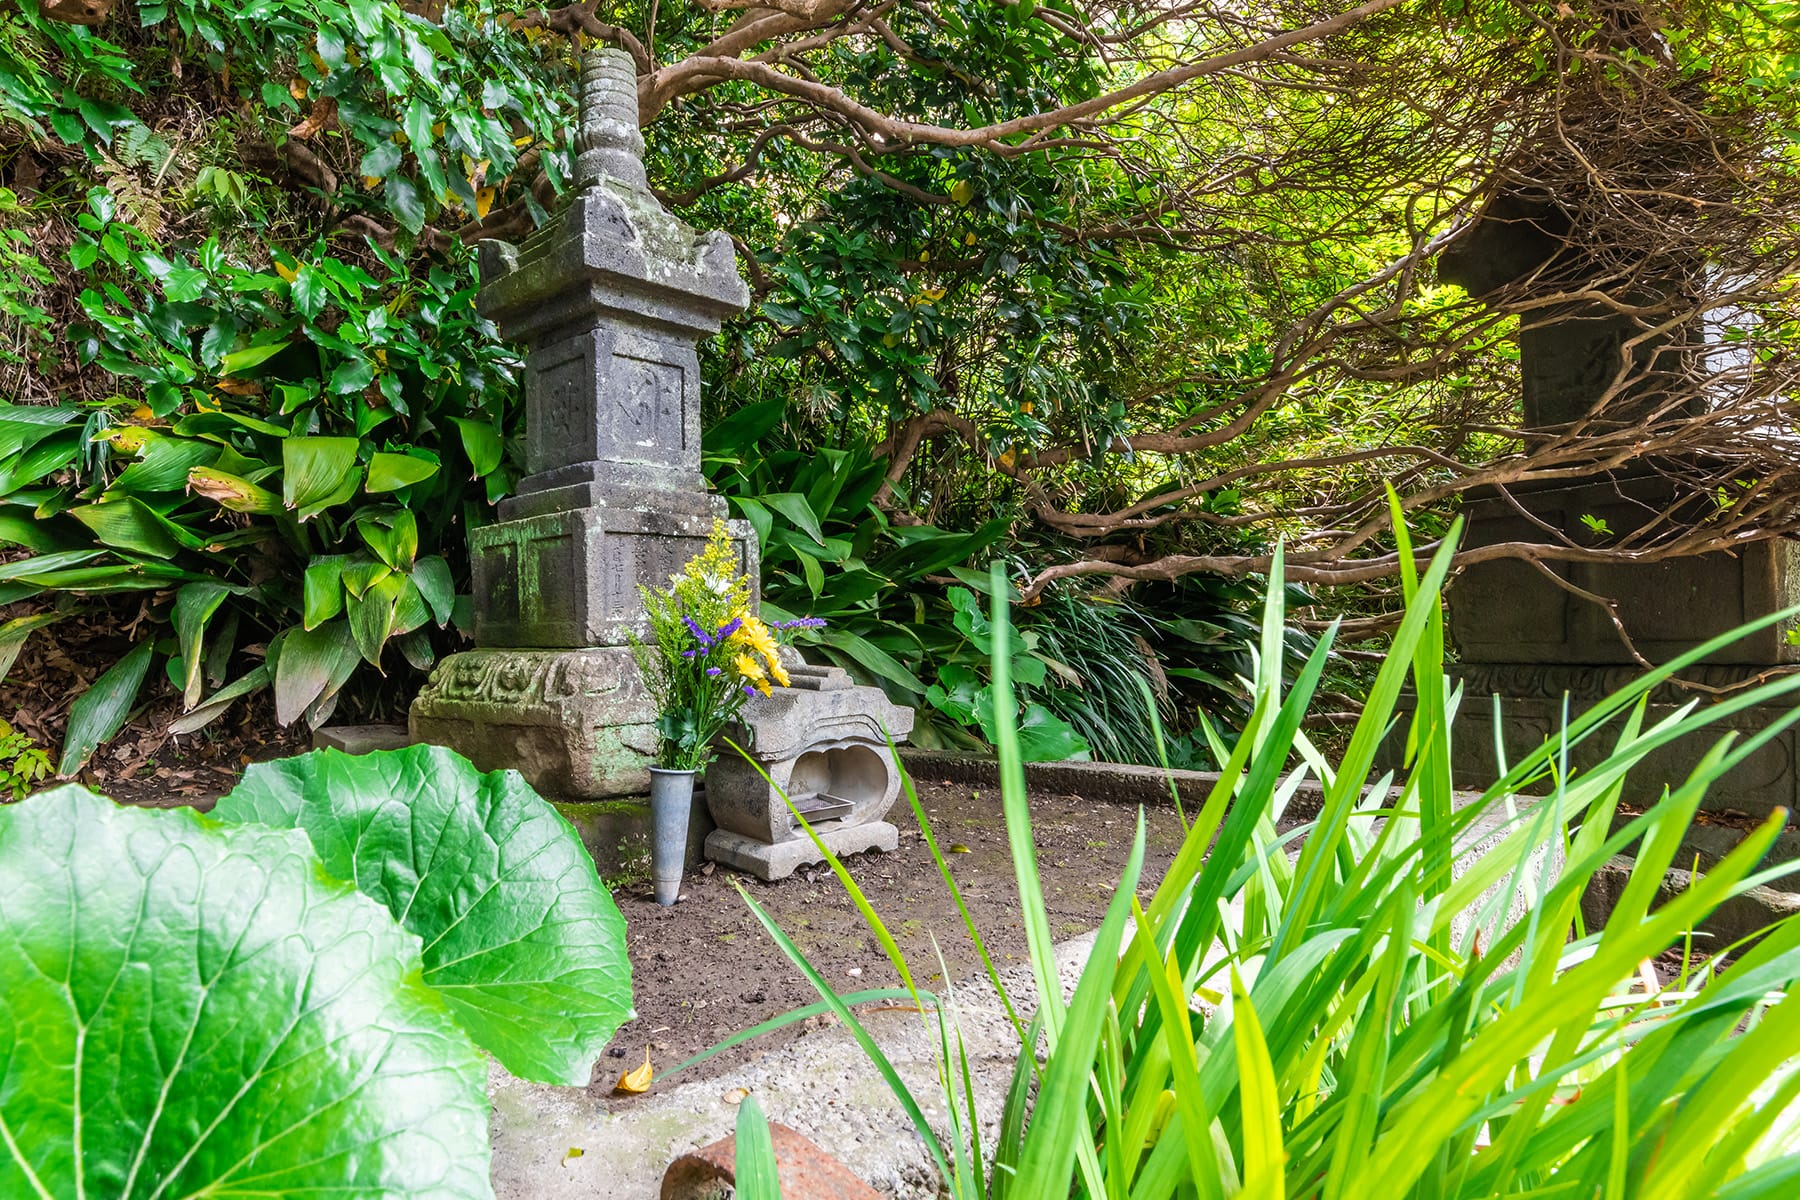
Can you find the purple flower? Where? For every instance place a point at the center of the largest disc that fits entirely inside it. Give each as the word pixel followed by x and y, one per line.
pixel 730 627
pixel 715 672
pixel 699 633
pixel 802 623
pixel 690 654
pixel 748 690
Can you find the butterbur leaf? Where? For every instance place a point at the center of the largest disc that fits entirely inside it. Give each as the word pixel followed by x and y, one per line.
pixel 98 712
pixel 521 940
pixel 264 1028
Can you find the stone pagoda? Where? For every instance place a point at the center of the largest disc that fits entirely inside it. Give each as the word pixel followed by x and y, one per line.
pixel 609 299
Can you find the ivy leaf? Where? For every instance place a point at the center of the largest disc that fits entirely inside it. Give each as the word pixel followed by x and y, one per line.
pixel 265 1028
pixel 522 941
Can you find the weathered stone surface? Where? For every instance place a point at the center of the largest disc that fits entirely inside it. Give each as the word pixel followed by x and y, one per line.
pixel 824 744
pixel 1741 916
pixel 778 861
pixel 806 1171
pixel 576 723
pixel 571 578
pixel 361 739
pixel 1532 711
pixel 616 834
pixel 1508 612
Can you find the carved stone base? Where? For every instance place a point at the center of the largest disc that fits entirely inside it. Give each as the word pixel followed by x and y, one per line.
pixel 576 723
pixel 570 578
pixel 823 741
pixel 1532 712
pixel 778 861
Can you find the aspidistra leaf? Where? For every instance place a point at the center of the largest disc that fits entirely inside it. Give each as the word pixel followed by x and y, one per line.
pixel 98 712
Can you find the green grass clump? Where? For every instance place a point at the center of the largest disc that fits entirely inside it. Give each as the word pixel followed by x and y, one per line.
pixel 1358 1016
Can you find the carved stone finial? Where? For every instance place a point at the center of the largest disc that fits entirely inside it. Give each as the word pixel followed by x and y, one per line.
pixel 609 142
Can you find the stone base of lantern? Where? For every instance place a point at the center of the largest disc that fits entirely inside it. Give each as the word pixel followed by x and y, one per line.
pixel 577 724
pixel 779 860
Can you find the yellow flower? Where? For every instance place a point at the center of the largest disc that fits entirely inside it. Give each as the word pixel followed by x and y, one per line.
pixel 754 634
pixel 750 670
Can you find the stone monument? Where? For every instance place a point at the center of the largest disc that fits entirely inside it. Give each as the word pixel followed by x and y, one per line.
pixel 609 299
pixel 822 742
pixel 1529 641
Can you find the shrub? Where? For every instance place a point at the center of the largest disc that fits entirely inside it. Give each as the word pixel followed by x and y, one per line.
pixel 1363 1018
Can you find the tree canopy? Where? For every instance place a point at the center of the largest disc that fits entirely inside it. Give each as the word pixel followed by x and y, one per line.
pixel 1130 289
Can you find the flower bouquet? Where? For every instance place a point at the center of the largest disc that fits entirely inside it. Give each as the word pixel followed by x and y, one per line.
pixel 707 654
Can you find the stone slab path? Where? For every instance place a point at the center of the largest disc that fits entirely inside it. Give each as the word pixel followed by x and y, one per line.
pixel 821 1084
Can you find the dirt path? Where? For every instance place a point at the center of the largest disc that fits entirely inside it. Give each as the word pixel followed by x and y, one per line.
pixel 706 969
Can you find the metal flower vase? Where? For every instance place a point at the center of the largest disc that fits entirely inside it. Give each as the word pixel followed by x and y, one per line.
pixel 671 800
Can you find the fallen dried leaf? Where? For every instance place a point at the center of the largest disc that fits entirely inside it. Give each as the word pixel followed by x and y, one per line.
pixel 636 1082
pixel 735 1096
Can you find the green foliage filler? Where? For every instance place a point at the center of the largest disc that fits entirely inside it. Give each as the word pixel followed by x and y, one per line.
pixel 521 941
pixel 1401 998
pixel 23 762
pixel 196 1009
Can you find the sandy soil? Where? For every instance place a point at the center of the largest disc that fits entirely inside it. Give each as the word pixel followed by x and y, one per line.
pixel 706 969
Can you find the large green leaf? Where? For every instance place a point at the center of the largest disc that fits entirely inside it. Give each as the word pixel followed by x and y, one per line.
pixel 127 523
pixel 98 712
pixel 163 465
pixel 389 472
pixel 521 939
pixel 318 472
pixel 312 666
pixel 192 1009
pixel 14 633
pixel 195 605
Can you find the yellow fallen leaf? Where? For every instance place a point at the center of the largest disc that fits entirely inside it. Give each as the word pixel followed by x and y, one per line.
pixel 959 848
pixel 286 272
pixel 142 413
pixel 735 1096
pixel 484 200
pixel 297 85
pixel 574 1152
pixel 239 387
pixel 636 1082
